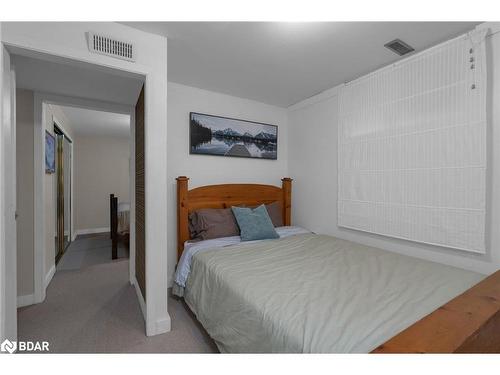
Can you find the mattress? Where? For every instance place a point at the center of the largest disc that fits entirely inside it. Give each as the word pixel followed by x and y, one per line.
pixel 310 293
pixel 194 247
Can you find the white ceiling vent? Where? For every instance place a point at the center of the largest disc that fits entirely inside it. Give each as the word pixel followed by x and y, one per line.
pixel 111 47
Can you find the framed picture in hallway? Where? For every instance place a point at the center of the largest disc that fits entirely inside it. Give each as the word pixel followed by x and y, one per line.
pixel 50 153
pixel 223 136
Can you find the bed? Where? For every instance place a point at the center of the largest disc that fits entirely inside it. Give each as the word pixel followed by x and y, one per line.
pixel 312 293
pixel 119 223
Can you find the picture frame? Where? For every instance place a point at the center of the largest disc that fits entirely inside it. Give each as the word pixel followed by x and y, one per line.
pixel 50 153
pixel 226 136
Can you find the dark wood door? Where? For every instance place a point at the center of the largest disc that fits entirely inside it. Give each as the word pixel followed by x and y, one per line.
pixel 140 203
pixel 59 195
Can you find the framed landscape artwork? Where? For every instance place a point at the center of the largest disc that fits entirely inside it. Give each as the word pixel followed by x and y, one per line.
pixel 50 153
pixel 223 136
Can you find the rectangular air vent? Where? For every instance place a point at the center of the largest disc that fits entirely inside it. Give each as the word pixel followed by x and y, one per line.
pixel 399 47
pixel 105 45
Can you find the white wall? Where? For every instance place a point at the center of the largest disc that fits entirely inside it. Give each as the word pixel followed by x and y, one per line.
pixel 101 167
pixel 25 192
pixel 313 166
pixel 206 169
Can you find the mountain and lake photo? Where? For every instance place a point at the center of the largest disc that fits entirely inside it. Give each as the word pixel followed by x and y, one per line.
pixel 214 135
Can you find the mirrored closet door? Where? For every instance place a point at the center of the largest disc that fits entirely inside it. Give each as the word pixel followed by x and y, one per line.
pixel 63 192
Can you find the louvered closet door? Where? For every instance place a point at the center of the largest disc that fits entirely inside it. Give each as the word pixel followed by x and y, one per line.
pixel 140 215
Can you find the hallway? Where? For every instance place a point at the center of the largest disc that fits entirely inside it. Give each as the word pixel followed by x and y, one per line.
pixel 89 250
pixel 91 307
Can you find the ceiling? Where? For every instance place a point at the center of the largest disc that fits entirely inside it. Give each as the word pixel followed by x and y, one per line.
pixel 75 80
pixel 86 122
pixel 81 81
pixel 282 63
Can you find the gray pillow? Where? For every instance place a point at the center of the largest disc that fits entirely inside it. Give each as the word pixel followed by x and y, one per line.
pixel 275 213
pixel 208 223
pixel 255 224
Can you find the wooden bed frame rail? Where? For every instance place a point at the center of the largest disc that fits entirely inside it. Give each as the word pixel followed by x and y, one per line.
pixel 469 323
pixel 225 196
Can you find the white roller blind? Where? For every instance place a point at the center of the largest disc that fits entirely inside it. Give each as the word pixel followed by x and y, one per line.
pixel 412 148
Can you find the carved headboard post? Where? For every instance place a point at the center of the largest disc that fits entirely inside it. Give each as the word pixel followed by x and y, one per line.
pixel 286 185
pixel 182 214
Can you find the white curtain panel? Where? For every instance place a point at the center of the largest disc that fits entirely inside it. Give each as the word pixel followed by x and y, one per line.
pixel 412 147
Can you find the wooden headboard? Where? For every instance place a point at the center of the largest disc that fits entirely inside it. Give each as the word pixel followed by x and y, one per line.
pixel 225 196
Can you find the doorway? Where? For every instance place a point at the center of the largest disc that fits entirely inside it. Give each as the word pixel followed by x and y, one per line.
pixel 93 158
pixel 63 192
pixel 104 81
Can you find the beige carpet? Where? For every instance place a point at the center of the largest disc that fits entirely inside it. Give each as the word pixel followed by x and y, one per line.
pixel 94 309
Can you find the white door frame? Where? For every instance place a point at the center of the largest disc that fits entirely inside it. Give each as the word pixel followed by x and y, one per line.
pixel 66 43
pixel 3 267
pixel 43 275
pixel 8 255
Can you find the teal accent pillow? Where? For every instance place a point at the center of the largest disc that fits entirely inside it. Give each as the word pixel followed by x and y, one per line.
pixel 255 224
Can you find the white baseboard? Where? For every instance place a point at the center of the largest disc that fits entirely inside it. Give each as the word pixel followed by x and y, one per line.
pixel 171 281
pixel 160 326
pixel 92 230
pixel 26 300
pixel 153 328
pixel 142 303
pixel 50 275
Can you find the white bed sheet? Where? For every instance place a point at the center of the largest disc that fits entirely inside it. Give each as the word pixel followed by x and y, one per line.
pixel 123 206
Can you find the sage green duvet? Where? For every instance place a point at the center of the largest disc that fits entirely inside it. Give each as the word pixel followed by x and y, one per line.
pixel 313 293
